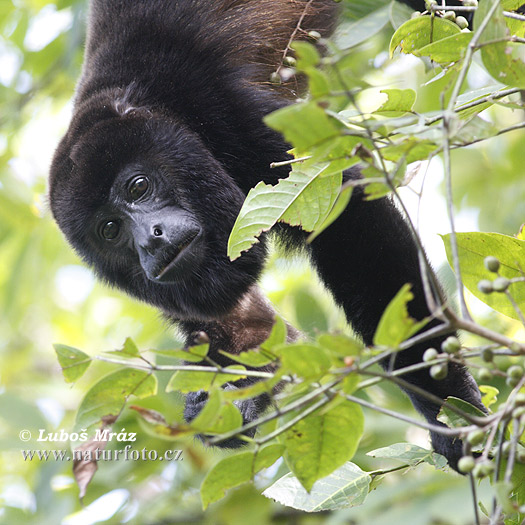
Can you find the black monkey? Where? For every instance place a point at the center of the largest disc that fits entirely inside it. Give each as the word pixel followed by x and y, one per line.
pixel 165 142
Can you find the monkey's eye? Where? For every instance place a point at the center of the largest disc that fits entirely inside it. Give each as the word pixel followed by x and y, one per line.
pixel 110 230
pixel 138 188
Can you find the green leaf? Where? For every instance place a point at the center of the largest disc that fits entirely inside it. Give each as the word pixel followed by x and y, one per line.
pixel 307 360
pixel 109 395
pixel 255 358
pixel 503 491
pixel 188 381
pixel 400 101
pixel 236 470
pixel 129 349
pixel 489 395
pixel 303 199
pixel 503 60
pixel 353 33
pixel 473 247
pixel 409 454
pixel 395 325
pixel 453 420
pixel 322 442
pixel 194 354
pixel 217 416
pixel 348 486
pixel 342 201
pixel 277 336
pixel 304 125
pixel 421 31
pixel 74 362
pixel 340 344
pixel 447 50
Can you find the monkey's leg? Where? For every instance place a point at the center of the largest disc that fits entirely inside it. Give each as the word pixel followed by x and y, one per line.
pixel 245 328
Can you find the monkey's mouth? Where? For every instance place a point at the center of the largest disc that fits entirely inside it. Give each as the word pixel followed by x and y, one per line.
pixel 178 260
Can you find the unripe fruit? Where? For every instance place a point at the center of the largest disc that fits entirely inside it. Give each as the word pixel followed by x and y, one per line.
pixel 450 15
pixel 470 3
pixel 476 437
pixel 484 469
pixel 466 464
pixel 415 14
pixel 462 22
pixel 290 61
pixel 314 35
pixel 430 354
pixel 515 347
pixel 485 374
pixel 512 381
pixel 518 413
pixel 500 284
pixel 491 264
pixel 519 400
pixel 451 345
pixel 275 78
pixel 487 355
pixel 520 455
pixel 485 286
pixel 515 371
pixel 439 372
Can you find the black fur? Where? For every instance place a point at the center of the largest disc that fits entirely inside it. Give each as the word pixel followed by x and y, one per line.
pixel 171 90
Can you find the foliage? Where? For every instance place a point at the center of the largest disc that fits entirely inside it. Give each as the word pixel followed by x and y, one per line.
pixel 462 101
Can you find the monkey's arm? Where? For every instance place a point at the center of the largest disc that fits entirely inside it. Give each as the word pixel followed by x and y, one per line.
pixel 364 258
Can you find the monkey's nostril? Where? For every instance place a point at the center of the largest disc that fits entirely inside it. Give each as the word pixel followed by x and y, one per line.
pixel 157 232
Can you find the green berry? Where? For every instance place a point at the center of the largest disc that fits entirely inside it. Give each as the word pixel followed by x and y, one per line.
pixel 520 455
pixel 515 347
pixel 462 22
pixel 512 381
pixel 314 35
pixel 491 264
pixel 430 354
pixel 483 469
pixel 485 374
pixel 415 14
pixel 450 15
pixel 290 61
pixel 515 371
pixel 518 413
pixel 275 78
pixel 500 284
pixel 488 468
pixel 466 464
pixel 451 345
pixel 439 372
pixel 470 3
pixel 519 400
pixel 487 355
pixel 477 471
pixel 485 286
pixel 476 437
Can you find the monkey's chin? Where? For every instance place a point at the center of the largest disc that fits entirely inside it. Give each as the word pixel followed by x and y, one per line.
pixel 187 257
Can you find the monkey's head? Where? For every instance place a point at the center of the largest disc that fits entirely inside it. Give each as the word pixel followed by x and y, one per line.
pixel 143 202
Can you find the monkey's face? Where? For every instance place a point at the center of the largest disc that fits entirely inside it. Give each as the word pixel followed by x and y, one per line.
pixel 144 202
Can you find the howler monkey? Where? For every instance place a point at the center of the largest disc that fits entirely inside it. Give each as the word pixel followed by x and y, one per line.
pixel 167 138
